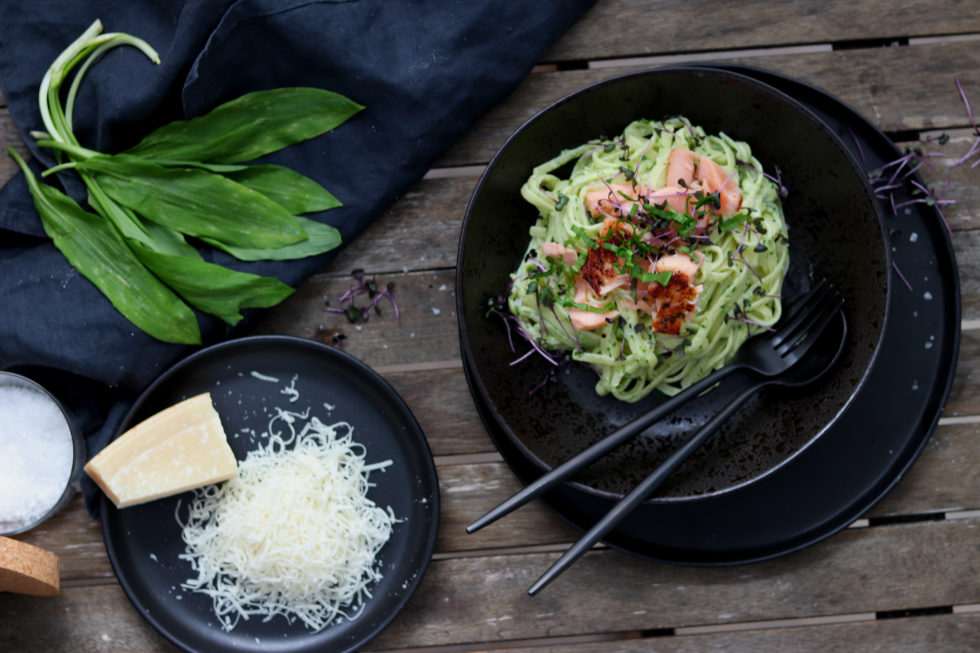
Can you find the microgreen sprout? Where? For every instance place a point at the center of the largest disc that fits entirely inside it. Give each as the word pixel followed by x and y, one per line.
pixel 777 179
pixel 364 285
pixel 969 112
pixel 898 175
pixel 738 314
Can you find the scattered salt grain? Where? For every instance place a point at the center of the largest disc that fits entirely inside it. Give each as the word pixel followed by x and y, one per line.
pixel 36 455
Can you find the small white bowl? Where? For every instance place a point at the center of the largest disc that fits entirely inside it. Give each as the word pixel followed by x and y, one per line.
pixel 14 383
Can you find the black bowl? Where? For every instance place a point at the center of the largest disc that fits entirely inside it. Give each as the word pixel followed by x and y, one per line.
pixel 836 231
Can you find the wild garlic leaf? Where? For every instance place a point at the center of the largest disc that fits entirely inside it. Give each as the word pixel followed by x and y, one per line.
pixel 213 288
pixel 322 238
pixel 250 126
pixel 194 202
pixel 94 248
pixel 286 187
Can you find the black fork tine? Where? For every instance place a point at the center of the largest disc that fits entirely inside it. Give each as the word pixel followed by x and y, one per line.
pixel 799 313
pixel 830 304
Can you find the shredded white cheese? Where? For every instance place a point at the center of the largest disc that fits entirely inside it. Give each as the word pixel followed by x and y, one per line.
pixel 294 533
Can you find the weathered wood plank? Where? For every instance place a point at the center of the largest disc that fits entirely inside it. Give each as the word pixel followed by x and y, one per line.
pixel 8 137
pixel 627 28
pixel 469 491
pixel 964 396
pixel 938 634
pixel 966 246
pixel 426 330
pixel 91 618
pixel 945 477
pixel 420 231
pixel 897 88
pixel 442 404
pixel 484 600
pixel 864 570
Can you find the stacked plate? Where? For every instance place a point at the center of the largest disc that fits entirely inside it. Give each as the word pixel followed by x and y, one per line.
pixel 789 470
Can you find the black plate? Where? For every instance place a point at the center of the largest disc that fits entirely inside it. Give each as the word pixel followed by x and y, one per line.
pixel 143 542
pixel 836 231
pixel 867 450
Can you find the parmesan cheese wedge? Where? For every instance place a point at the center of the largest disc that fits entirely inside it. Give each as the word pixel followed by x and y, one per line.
pixel 180 448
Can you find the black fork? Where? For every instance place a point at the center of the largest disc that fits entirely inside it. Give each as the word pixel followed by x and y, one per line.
pixel 768 354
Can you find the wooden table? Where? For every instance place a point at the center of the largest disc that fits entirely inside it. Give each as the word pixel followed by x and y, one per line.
pixel 905 577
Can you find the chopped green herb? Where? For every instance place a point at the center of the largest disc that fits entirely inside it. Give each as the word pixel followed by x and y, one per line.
pixel 731 223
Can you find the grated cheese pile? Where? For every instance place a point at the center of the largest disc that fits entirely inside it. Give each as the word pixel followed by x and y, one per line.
pixel 294 533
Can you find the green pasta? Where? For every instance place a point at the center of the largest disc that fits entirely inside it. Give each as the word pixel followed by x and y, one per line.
pixel 743 257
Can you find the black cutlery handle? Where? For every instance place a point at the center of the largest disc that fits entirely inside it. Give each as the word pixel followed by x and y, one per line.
pixel 628 503
pixel 586 457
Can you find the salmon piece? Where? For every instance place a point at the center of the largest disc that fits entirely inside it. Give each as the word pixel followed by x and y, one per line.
pixel 582 291
pixel 609 285
pixel 687 172
pixel 610 201
pixel 678 264
pixel 559 252
pixel 583 320
pixel 673 304
pixel 609 224
pixel 685 168
pixel 675 196
pixel 681 170
pixel 714 179
pixel 599 270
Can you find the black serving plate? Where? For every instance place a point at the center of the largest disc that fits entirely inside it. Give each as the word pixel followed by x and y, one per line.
pixel 866 449
pixel 836 231
pixel 143 542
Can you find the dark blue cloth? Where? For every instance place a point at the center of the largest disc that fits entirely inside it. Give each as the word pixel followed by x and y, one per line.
pixel 425 70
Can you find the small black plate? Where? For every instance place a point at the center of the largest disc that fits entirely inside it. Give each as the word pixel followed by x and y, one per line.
pixel 143 542
pixel 865 452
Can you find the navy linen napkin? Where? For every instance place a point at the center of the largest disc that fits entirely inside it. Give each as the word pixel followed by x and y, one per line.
pixel 424 69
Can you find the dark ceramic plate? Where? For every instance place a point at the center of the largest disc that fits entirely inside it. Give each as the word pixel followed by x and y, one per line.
pixel 836 231
pixel 143 542
pixel 866 451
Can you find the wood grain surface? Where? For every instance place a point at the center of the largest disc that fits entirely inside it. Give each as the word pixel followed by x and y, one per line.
pixel 904 578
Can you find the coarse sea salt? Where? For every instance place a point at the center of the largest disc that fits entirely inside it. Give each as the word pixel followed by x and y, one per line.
pixel 36 456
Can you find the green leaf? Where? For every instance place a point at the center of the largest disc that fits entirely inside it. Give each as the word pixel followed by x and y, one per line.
pixel 286 187
pixel 194 202
pixel 250 126
pixel 730 223
pixel 154 236
pixel 94 248
pixel 663 278
pixel 322 238
pixel 213 288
